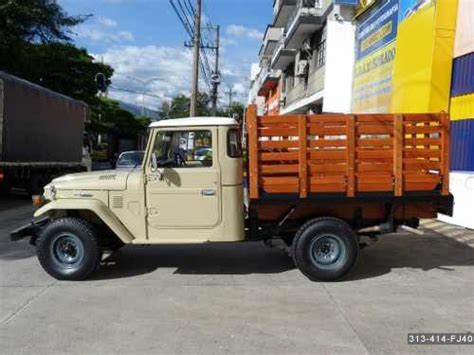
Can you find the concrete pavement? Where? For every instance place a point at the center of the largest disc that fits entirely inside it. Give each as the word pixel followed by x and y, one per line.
pixel 244 298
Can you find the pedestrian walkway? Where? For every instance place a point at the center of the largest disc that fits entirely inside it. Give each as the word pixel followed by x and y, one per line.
pixel 460 234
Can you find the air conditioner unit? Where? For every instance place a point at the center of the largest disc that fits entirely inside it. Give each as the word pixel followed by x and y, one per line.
pixel 302 68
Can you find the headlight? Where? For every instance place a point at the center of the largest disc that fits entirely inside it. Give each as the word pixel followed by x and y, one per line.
pixel 49 192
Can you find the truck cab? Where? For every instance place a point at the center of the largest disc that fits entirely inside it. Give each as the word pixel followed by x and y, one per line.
pixel 190 184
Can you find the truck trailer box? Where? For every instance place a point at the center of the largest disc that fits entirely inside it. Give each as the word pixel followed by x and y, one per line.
pixel 37 124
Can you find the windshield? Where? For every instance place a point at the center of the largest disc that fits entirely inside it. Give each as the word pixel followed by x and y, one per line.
pixel 131 158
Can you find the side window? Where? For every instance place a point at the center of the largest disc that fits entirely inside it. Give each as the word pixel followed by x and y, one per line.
pixel 234 144
pixel 184 149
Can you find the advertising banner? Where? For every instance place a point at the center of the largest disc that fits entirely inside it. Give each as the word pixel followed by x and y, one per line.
pixel 375 53
pixel 376 36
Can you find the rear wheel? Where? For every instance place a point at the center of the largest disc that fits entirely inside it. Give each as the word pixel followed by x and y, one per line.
pixel 325 249
pixel 68 249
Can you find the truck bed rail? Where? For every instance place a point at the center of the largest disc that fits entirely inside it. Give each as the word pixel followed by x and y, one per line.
pixel 350 154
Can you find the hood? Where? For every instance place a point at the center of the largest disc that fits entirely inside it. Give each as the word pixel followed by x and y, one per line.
pixel 97 180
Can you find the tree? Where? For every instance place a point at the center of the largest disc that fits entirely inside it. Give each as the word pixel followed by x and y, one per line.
pixel 235 110
pixel 108 116
pixel 35 21
pixel 61 67
pixel 180 107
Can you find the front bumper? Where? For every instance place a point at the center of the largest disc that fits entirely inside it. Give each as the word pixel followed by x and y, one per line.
pixel 29 230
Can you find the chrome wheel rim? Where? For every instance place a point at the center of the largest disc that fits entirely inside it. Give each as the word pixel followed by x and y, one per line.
pixel 327 251
pixel 67 250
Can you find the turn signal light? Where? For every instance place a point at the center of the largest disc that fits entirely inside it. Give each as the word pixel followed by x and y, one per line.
pixel 38 200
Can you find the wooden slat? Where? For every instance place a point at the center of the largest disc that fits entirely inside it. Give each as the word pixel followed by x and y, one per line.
pixel 282 156
pixel 374 153
pixel 374 167
pixel 334 154
pixel 327 143
pixel 327 168
pixel 350 155
pixel 374 129
pixel 323 119
pixel 253 151
pixel 417 164
pixel 282 144
pixel 277 180
pixel 445 157
pixel 320 130
pixel 279 169
pixel 371 118
pixel 277 132
pixel 287 119
pixel 422 141
pixel 303 156
pixel 421 153
pixel 375 143
pixel 422 129
pixel 398 155
pixel 421 117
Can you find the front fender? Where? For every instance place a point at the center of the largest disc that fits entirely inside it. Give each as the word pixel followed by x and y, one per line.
pixel 96 207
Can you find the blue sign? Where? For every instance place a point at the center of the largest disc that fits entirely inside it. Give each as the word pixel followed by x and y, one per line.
pixel 377 28
pixel 346 2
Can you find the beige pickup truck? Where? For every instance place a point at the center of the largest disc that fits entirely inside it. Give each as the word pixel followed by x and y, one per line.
pixel 190 189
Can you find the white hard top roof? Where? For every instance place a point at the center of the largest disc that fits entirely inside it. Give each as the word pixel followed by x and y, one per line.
pixel 195 121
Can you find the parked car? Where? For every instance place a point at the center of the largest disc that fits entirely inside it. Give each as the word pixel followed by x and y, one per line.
pixel 203 153
pixel 130 160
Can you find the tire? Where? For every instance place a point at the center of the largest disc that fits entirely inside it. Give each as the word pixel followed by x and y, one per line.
pixel 68 249
pixel 325 249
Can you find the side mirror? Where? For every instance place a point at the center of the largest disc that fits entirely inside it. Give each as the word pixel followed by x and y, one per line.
pixel 154 162
pixel 155 168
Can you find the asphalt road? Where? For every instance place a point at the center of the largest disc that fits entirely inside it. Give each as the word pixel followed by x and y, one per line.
pixel 242 298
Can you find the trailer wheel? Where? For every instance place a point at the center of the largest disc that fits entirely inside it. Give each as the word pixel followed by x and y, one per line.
pixel 68 249
pixel 325 249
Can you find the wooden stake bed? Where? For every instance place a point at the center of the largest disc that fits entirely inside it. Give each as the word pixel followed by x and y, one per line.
pixel 350 154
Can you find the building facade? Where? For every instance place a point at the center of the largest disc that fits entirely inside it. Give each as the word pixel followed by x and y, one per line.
pixel 306 58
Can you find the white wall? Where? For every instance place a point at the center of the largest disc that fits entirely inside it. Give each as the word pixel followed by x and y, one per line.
pixel 461 185
pixel 340 53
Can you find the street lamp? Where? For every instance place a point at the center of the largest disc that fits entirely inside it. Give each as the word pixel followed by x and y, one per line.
pixel 145 83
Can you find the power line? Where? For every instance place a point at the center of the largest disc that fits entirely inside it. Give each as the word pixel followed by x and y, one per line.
pixel 181 19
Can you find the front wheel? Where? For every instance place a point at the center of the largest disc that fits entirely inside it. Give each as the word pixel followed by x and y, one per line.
pixel 68 249
pixel 325 249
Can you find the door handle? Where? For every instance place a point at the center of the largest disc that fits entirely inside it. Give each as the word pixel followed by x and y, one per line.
pixel 208 192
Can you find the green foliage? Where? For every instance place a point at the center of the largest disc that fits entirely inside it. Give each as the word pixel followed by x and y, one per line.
pixel 180 107
pixel 236 109
pixel 35 45
pixel 61 67
pixel 34 21
pixel 107 116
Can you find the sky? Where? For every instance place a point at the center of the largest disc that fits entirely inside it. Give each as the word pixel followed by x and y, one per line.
pixel 143 40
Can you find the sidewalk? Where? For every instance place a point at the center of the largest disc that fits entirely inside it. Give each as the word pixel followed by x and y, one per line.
pixel 460 234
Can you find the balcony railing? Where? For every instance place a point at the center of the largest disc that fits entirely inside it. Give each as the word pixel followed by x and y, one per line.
pixel 267 80
pixel 306 18
pixel 296 93
pixel 304 89
pixel 316 81
pixel 282 9
pixel 273 36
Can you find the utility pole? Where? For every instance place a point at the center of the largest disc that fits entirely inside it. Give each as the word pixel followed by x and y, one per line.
pixel 216 74
pixel 196 55
pixel 231 96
